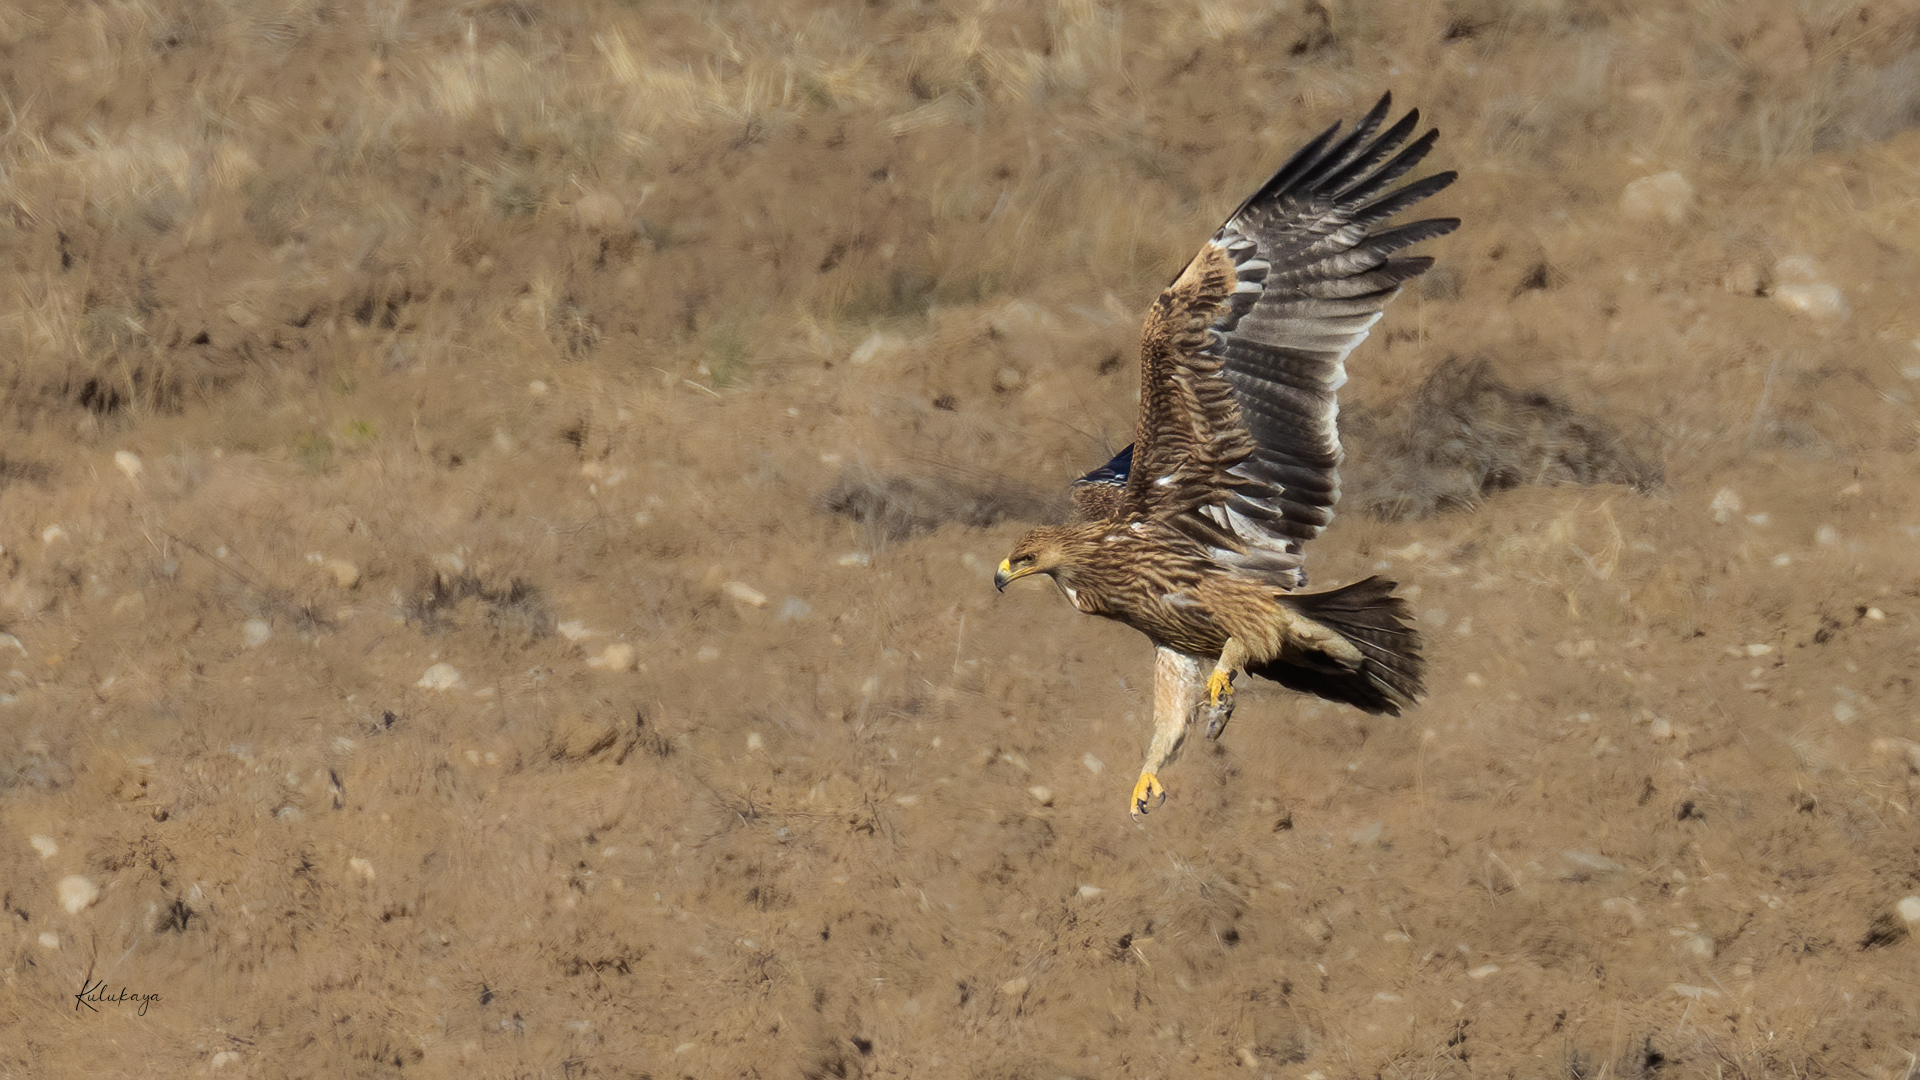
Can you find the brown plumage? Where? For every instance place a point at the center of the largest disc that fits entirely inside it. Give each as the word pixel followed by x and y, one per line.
pixel 1193 534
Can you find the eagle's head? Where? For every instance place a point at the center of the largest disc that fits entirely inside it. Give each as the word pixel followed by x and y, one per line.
pixel 1045 550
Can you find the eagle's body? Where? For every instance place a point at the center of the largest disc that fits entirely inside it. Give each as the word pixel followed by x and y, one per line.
pixel 1193 534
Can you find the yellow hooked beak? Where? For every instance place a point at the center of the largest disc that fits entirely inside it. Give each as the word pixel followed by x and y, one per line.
pixel 1007 573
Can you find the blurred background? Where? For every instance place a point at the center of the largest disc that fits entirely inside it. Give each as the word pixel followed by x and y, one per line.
pixel 498 504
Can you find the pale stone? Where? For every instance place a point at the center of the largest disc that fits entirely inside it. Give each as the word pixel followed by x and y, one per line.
pixel 1663 197
pixel 77 893
pixel 441 677
pixel 745 593
pixel 1726 506
pixel 128 462
pixel 361 866
pixel 1909 909
pixel 44 845
pixel 1802 287
pixel 879 345
pixel 256 632
pixel 616 657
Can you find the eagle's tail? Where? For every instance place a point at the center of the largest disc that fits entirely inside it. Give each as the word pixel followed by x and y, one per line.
pixel 1377 622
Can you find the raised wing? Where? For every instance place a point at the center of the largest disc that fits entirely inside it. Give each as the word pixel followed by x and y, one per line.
pixel 1243 356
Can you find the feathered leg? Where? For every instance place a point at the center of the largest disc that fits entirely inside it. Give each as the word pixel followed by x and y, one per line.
pixel 1233 657
pixel 1178 690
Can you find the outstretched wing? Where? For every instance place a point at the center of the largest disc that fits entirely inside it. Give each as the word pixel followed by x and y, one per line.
pixel 1243 356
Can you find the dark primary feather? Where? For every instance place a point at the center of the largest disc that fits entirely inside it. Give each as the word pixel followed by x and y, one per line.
pixel 1244 354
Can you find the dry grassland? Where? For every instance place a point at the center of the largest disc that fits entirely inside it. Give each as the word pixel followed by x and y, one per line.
pixel 497 503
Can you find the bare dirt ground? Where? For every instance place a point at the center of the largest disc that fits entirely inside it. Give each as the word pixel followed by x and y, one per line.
pixel 498 504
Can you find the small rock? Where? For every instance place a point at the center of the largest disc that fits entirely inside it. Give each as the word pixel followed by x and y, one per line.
pixel 575 630
pixel 52 533
pixel 855 558
pixel 1088 892
pixel 1008 379
pixel 49 940
pixel 616 657
pixel 441 677
pixel 1093 764
pixel 1801 287
pixel 1873 613
pixel 794 608
pixel 1899 748
pixel 1042 794
pixel 345 574
pixel 1826 536
pixel 1661 729
pixel 538 388
pixel 1586 860
pixel 256 632
pixel 1694 992
pixel 707 654
pixel 1909 909
pixel 1482 971
pixel 754 741
pixel 1844 712
pixel 879 345
pixel 1664 197
pixel 1014 987
pixel 1623 905
pixel 361 866
pixel 77 893
pixel 1726 506
pixel 1699 945
pixel 745 593
pixel 128 462
pixel 44 845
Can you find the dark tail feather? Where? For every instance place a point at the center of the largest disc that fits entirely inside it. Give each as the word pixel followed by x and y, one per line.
pixel 1378 623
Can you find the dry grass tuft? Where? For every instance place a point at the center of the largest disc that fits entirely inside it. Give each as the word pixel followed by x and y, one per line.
pixel 1465 435
pixel 895 507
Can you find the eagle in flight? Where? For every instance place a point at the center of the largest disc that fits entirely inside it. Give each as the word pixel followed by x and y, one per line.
pixel 1193 534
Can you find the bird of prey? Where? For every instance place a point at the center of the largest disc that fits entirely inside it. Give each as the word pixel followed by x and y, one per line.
pixel 1193 534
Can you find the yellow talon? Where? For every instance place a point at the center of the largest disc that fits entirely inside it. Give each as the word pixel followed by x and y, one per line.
pixel 1147 789
pixel 1219 685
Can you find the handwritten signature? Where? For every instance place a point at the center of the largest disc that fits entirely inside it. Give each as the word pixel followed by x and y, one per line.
pixel 93 994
